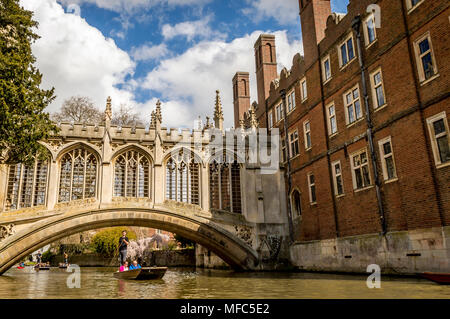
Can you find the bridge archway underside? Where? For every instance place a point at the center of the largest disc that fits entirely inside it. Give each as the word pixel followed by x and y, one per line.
pixel 205 232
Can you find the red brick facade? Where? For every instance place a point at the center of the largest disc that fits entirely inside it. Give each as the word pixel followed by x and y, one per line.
pixel 416 192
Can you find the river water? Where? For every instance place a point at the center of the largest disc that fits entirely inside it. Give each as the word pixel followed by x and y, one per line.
pixel 199 283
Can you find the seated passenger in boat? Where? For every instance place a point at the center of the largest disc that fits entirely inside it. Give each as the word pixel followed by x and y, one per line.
pixel 135 265
pixel 124 267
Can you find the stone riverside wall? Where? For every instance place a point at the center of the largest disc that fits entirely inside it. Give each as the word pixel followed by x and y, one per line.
pixel 169 258
pixel 403 252
pixel 205 258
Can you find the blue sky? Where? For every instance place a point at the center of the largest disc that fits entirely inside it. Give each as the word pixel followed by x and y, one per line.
pixel 179 51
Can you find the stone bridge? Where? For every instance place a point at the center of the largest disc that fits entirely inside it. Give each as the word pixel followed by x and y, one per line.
pixel 105 175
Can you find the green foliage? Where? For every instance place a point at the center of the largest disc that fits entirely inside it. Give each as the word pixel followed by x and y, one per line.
pixel 106 242
pixel 184 242
pixel 47 256
pixel 22 102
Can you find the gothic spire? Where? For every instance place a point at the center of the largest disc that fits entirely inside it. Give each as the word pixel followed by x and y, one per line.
pixel 218 113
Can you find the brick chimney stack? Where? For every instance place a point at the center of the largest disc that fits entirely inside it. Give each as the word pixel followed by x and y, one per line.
pixel 266 68
pixel 241 96
pixel 313 17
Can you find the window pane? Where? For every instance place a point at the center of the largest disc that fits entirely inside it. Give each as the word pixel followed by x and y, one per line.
pixel 390 167
pixel 331 110
pixel 427 65
pixel 444 151
pixel 424 46
pixel 333 125
pixel 371 30
pixel 313 193
pixel 377 78
pixel 327 69
pixel 344 54
pixel 351 54
pixel 358 177
pixel 358 110
pixel 365 170
pixel 387 148
pixel 339 187
pixel 439 126
pixel 380 96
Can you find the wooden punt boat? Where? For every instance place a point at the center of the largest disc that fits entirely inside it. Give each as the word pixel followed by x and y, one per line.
pixel 146 273
pixel 42 268
pixel 440 278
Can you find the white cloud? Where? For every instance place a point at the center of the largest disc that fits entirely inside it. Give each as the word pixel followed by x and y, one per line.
pixel 133 5
pixel 76 58
pixel 189 80
pixel 191 29
pixel 285 12
pixel 146 52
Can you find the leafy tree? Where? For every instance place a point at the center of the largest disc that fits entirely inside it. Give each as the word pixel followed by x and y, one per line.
pixel 106 242
pixel 184 242
pixel 78 109
pixel 23 120
pixel 126 117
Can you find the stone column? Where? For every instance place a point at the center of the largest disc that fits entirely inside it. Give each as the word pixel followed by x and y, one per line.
pixel 52 190
pixel 204 188
pixel 159 184
pixel 3 185
pixel 105 184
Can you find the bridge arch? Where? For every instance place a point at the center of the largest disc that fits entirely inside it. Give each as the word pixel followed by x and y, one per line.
pixel 226 245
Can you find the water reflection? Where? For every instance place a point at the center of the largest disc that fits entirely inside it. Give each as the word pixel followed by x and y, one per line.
pixel 192 283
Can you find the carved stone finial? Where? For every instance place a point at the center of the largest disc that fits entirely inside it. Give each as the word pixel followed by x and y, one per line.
pixel 158 114
pixel 153 120
pixel 253 119
pixel 108 110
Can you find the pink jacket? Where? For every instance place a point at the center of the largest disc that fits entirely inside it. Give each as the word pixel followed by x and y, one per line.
pixel 123 268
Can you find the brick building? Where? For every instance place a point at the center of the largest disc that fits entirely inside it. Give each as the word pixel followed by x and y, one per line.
pixel 367 117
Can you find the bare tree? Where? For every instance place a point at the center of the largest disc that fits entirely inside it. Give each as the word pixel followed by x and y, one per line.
pixel 78 109
pixel 125 116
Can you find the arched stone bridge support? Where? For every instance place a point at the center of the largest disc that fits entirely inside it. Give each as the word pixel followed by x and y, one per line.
pixel 226 245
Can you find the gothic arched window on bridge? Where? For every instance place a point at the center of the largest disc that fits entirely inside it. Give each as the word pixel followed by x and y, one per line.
pixel 182 181
pixel 27 185
pixel 132 175
pixel 78 175
pixel 225 186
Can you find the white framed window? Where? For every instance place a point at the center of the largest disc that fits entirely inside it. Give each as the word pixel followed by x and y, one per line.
pixel 279 112
pixel 270 119
pixel 293 143
pixel 337 177
pixel 387 159
pixel 312 188
pixel 353 111
pixel 440 140
pixel 303 89
pixel 426 62
pixel 360 169
pixel 412 4
pixel 370 33
pixel 307 134
pixel 346 51
pixel 332 122
pixel 326 68
pixel 378 95
pixel 291 101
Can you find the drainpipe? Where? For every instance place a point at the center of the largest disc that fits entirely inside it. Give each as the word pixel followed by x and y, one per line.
pixel 288 171
pixel 356 25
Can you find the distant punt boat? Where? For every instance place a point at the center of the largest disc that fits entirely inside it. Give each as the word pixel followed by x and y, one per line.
pixel 42 268
pixel 146 273
pixel 440 278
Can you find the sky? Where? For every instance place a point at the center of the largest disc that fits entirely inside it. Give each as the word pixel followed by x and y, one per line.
pixel 178 51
